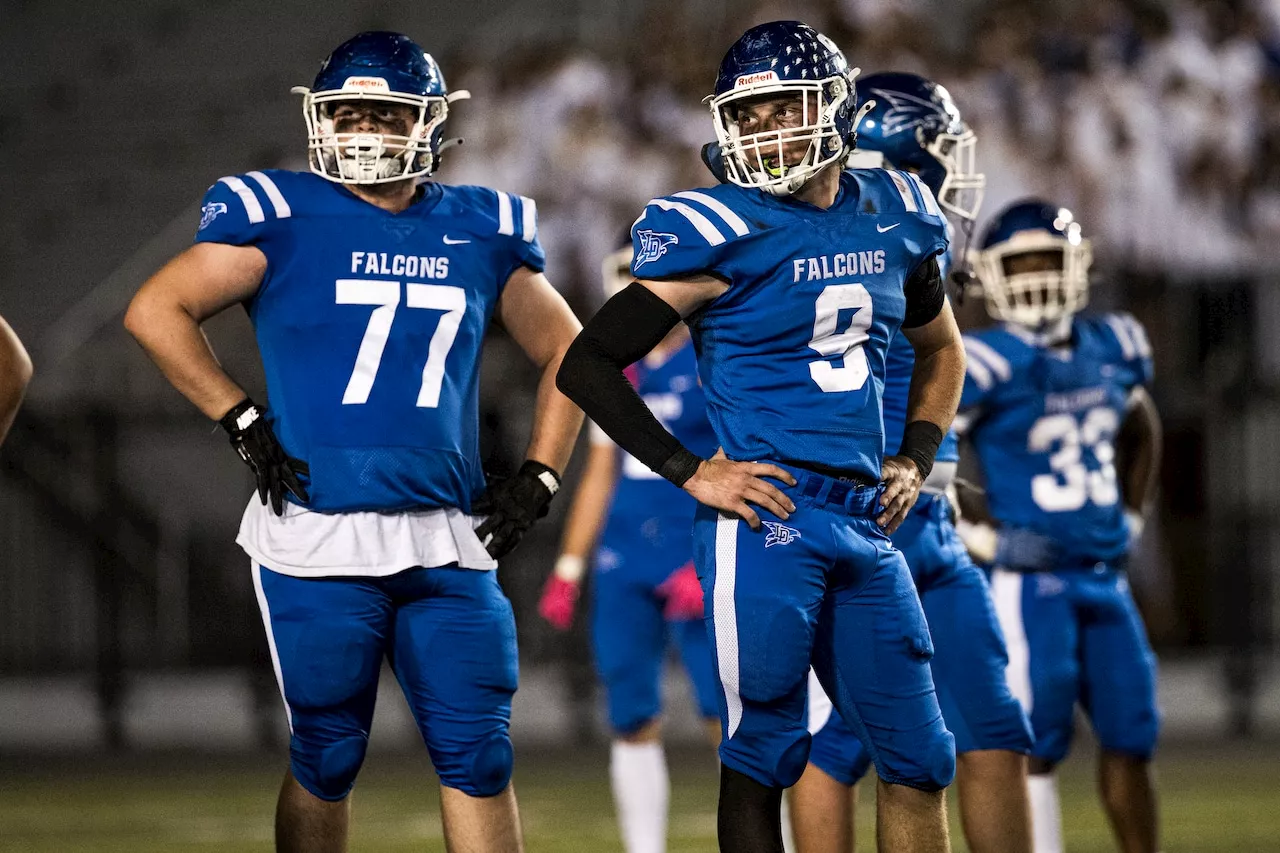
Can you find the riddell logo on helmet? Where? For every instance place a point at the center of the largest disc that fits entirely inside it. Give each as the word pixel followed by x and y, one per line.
pixel 758 77
pixel 372 84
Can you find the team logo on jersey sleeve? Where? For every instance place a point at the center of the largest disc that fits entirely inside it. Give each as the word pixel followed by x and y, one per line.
pixel 653 245
pixel 210 212
pixel 779 534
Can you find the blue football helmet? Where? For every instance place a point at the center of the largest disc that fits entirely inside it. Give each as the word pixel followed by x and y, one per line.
pixel 1034 299
pixel 386 67
pixel 784 58
pixel 915 125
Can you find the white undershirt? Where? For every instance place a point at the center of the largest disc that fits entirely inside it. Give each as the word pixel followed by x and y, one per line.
pixel 303 543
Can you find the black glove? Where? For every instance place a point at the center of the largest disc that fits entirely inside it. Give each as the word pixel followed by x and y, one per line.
pixel 253 438
pixel 513 505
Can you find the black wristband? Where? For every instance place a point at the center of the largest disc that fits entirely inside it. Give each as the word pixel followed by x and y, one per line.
pixel 920 442
pixel 680 467
pixel 234 421
pixel 542 473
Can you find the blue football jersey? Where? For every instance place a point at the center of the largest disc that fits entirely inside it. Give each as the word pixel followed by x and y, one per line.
pixel 1043 421
pixel 672 392
pixel 898 367
pixel 792 355
pixel 370 326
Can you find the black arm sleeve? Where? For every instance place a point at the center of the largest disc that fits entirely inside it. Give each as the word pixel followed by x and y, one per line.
pixel 925 294
pixel 622 332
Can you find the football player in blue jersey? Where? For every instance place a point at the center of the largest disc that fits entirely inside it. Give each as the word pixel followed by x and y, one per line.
pixel 644 590
pixel 915 126
pixel 15 375
pixel 370 290
pixel 793 290
pixel 1047 392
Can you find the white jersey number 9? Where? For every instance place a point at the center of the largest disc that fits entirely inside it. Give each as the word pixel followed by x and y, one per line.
pixel 851 374
pixel 1072 483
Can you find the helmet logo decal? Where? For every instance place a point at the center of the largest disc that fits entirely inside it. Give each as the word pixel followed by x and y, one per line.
pixel 758 77
pixel 904 111
pixel 367 84
pixel 210 212
pixel 653 245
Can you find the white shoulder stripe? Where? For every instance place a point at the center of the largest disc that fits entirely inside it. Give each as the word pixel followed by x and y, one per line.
pixel 904 190
pixel 529 222
pixel 981 375
pixel 506 223
pixel 1139 335
pixel 721 209
pixel 930 204
pixel 273 194
pixel 1127 346
pixel 247 198
pixel 992 360
pixel 709 232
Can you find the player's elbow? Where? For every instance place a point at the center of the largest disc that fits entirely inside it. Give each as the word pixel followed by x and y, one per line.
pixel 143 315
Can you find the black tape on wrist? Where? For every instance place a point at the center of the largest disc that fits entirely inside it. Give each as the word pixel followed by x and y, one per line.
pixel 920 442
pixel 680 466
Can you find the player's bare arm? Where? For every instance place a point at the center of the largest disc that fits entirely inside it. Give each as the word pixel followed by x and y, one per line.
pixel 936 383
pixel 591 503
pixel 165 317
pixel 15 375
pixel 623 331
pixel 587 514
pixel 1139 445
pixel 542 324
pixel 166 313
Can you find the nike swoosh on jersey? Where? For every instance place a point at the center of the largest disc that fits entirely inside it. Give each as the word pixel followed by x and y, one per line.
pixel 449 241
pixel 887 227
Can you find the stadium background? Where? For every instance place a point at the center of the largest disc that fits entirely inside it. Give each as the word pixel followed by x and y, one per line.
pixel 137 707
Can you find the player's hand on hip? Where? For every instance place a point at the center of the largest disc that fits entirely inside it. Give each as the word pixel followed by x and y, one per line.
pixel 902 482
pixel 513 505
pixel 275 471
pixel 731 486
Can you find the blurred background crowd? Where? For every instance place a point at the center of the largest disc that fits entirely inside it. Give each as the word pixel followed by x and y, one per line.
pixel 1158 121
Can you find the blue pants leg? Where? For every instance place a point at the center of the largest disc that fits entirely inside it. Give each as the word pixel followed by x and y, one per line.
pixel 454 654
pixel 1119 681
pixel 327 638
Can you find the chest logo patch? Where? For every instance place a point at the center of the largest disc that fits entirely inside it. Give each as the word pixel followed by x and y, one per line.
pixel 779 534
pixel 653 245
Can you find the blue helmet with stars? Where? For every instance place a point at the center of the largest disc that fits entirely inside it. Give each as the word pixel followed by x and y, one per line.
pixel 914 124
pixel 779 60
pixel 384 67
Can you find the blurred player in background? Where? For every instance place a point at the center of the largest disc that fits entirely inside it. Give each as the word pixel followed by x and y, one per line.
pixel 370 290
pixel 915 126
pixel 794 277
pixel 15 375
pixel 1048 393
pixel 644 590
